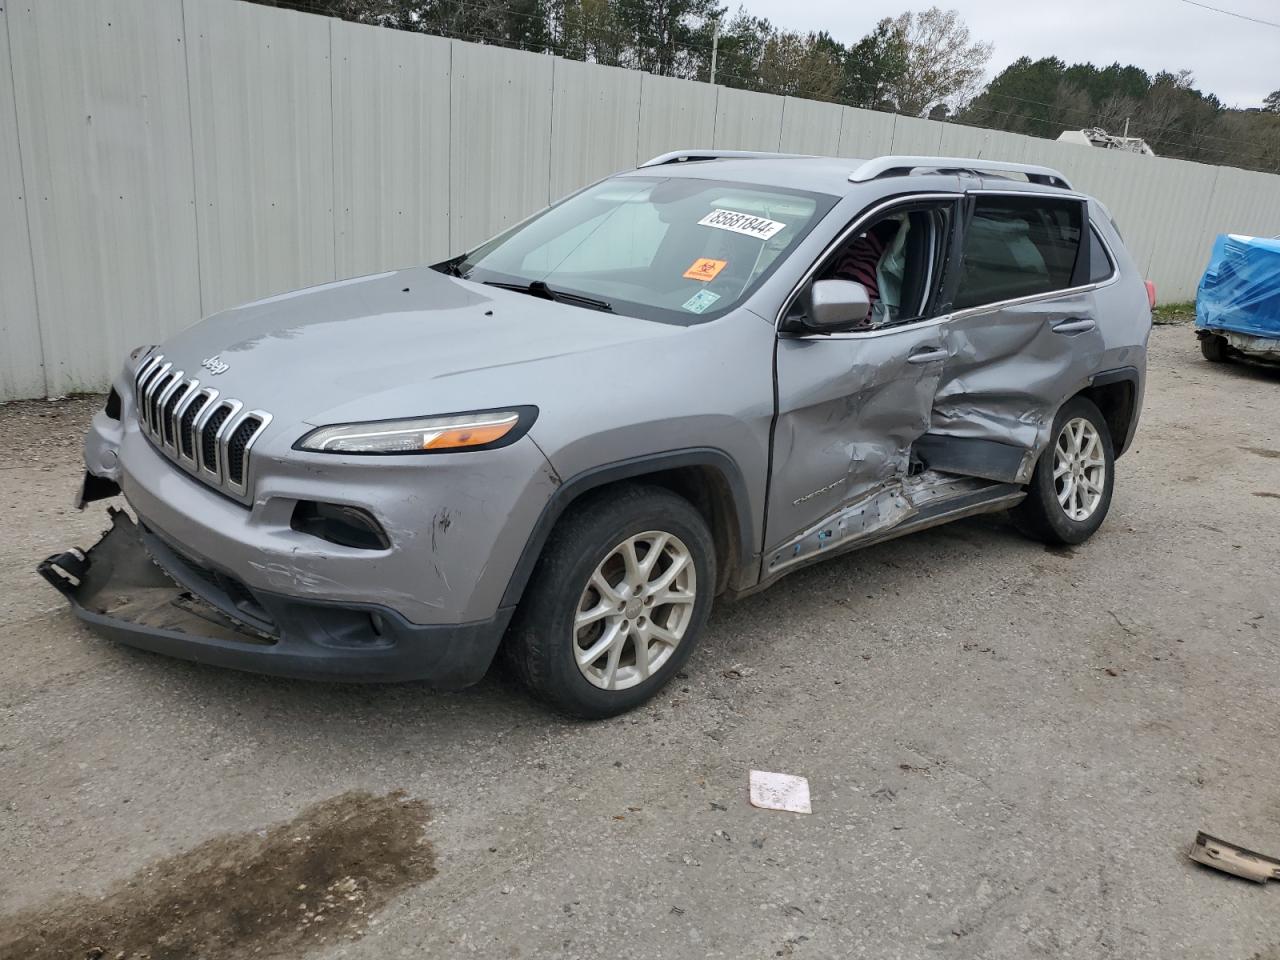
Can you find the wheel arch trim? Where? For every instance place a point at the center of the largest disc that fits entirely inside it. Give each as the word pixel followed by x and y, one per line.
pixel 1133 379
pixel 633 468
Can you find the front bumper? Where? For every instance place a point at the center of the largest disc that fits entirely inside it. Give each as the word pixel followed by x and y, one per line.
pixel 134 588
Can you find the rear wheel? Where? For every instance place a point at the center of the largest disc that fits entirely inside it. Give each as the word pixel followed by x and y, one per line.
pixel 617 602
pixel 1070 490
pixel 1214 348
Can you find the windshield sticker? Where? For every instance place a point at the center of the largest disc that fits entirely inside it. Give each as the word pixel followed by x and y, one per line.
pixel 705 269
pixel 743 223
pixel 701 301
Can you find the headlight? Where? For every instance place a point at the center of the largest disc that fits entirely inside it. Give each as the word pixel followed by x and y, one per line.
pixel 482 430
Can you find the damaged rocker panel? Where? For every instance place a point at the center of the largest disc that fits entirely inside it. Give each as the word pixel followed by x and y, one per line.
pixel 900 507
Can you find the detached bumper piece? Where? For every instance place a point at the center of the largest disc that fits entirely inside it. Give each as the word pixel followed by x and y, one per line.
pixel 132 588
pixel 1230 858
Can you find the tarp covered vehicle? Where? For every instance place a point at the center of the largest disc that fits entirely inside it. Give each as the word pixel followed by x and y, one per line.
pixel 1238 303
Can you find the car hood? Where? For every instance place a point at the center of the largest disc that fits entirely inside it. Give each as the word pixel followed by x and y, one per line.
pixel 406 343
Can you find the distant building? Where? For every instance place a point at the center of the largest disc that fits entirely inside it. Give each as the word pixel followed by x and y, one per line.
pixel 1097 137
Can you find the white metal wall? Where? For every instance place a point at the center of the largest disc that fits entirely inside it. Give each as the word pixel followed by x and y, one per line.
pixel 161 160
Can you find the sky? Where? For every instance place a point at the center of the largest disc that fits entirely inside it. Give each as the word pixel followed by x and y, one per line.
pixel 1233 58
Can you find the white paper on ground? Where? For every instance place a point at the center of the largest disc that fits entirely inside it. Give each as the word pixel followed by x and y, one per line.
pixel 780 791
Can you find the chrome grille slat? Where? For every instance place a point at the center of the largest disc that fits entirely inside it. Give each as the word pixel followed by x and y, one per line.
pixel 154 385
pixel 191 407
pixel 163 433
pixel 178 416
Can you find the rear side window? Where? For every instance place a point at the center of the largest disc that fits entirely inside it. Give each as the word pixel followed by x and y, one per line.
pixel 1100 265
pixel 1019 247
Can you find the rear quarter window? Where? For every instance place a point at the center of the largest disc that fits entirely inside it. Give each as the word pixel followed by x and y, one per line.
pixel 1100 266
pixel 1019 247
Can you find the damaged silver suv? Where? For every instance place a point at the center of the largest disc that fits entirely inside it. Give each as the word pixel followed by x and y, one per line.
pixel 683 382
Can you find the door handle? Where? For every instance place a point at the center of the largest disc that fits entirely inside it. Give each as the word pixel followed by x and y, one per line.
pixel 928 355
pixel 1074 325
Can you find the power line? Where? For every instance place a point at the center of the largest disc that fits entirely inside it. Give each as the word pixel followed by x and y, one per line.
pixel 1232 13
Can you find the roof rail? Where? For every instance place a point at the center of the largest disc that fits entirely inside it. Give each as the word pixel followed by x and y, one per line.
pixel 690 156
pixel 902 166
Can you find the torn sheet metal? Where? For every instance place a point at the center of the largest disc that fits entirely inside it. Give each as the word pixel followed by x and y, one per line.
pixel 1240 289
pixel 879 512
pixel 780 791
pixel 1229 858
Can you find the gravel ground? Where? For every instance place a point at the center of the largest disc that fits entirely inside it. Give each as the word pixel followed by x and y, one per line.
pixel 1009 749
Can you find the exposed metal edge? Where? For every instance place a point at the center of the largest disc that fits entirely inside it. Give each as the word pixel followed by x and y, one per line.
pixel 998 497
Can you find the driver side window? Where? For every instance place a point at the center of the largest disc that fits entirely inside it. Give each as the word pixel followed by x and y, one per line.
pixel 898 259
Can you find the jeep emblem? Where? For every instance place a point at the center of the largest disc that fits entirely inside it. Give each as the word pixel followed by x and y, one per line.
pixel 215 365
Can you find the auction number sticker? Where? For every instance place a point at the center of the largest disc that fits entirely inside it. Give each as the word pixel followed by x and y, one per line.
pixel 744 223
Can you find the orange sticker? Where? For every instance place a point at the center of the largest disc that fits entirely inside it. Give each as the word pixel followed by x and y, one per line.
pixel 704 269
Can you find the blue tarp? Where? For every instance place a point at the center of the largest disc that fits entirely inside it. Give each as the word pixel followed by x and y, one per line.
pixel 1240 289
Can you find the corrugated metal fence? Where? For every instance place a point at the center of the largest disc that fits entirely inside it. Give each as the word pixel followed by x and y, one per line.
pixel 163 159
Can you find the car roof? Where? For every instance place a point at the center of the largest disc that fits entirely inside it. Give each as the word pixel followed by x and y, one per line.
pixel 839 176
pixel 828 175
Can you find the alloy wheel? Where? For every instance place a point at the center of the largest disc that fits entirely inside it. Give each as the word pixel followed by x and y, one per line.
pixel 635 610
pixel 1079 469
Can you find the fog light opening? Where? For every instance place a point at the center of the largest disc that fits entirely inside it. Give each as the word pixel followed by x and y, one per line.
pixel 340 524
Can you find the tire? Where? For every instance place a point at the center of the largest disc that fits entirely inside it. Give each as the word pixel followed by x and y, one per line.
pixel 585 554
pixel 1214 348
pixel 1042 515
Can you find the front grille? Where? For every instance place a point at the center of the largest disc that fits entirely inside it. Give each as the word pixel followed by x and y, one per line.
pixel 206 434
pixel 186 431
pixel 240 437
pixel 209 438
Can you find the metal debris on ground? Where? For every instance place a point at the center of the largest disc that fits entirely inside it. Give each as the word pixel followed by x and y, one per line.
pixel 780 791
pixel 1229 858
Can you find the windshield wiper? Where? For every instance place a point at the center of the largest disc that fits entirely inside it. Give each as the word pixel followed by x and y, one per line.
pixel 539 288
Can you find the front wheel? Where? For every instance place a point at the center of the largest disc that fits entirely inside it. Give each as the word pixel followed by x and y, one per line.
pixel 1070 491
pixel 617 602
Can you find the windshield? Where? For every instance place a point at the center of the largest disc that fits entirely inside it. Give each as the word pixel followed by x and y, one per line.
pixel 678 250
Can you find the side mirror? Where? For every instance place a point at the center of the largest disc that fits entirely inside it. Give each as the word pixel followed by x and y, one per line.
pixel 831 305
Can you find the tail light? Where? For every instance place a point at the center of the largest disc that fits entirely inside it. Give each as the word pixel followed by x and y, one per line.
pixel 1151 294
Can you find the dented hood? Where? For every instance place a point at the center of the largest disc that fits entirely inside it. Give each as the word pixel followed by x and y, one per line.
pixel 404 343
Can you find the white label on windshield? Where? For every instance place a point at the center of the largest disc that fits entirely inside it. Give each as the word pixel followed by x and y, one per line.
pixel 701 301
pixel 743 223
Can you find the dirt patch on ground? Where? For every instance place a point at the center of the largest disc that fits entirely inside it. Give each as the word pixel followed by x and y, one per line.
pixel 37 431
pixel 271 893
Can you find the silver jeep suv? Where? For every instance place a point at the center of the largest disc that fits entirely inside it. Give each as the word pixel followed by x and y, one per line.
pixel 682 382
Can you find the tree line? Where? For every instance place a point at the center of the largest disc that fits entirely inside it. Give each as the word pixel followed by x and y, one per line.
pixel 923 63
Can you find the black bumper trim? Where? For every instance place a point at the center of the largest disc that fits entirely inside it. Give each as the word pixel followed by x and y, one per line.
pixel 121 594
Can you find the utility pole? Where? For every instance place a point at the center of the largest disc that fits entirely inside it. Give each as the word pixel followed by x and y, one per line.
pixel 715 47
